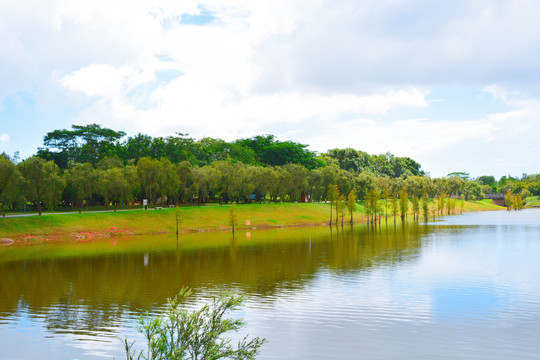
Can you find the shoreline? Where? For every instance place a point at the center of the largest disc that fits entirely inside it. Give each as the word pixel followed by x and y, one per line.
pixel 89 226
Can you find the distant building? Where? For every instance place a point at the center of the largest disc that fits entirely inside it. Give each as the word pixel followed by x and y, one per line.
pixel 497 199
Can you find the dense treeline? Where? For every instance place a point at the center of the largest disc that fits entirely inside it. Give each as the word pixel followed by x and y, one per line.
pixel 91 165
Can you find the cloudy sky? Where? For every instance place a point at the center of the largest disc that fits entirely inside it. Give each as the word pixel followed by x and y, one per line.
pixel 452 84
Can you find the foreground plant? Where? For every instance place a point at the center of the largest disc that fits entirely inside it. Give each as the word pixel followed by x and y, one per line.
pixel 194 334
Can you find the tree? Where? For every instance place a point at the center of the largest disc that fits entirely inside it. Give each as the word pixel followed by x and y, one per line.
pixel 332 195
pixel 363 183
pixel 425 206
pixel 508 199
pixel 340 208
pixel 197 334
pixel 298 180
pixel 517 202
pixel 42 181
pixel 351 204
pixel 168 181
pixel 11 182
pixel 385 196
pixel 403 203
pixel 415 207
pixel 440 202
pixel 185 180
pixel 54 185
pixel 149 172
pixel 233 219
pixel 372 204
pixel 450 205
pixel 88 143
pixel 83 180
pixel 115 186
pixel 273 152
pixel 393 205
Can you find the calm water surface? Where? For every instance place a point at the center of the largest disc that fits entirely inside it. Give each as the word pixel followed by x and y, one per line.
pixel 467 287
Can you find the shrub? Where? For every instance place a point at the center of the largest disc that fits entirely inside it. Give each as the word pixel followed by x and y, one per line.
pixel 198 334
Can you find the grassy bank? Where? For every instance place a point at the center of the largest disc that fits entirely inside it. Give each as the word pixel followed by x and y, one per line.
pixel 89 225
pixel 532 201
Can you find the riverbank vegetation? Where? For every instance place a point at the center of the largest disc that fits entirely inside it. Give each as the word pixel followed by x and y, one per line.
pixel 91 166
pixel 92 225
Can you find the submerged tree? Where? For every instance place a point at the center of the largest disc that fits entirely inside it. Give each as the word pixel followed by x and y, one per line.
pixel 351 204
pixel 333 195
pixel 508 201
pixel 415 207
pixel 232 218
pixel 372 204
pixel 403 203
pixel 198 334
pixel 425 207
pixel 341 204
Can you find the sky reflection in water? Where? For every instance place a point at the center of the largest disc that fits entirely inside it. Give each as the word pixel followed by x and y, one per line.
pixel 466 287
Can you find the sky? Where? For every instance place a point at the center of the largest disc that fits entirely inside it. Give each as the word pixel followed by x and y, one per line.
pixel 452 84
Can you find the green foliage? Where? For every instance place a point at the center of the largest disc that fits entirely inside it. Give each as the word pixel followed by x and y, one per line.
pixel 116 185
pixel 440 202
pixel 450 205
pixel 273 152
pixel 460 174
pixel 384 164
pixel 341 204
pixel 371 204
pixel 43 183
pixel 198 334
pixel 88 143
pixel 415 207
pixel 425 206
pixel 351 204
pixel 508 199
pixel 11 181
pixel 403 203
pixel 332 196
pixel 83 180
pixel 180 169
pixel 394 206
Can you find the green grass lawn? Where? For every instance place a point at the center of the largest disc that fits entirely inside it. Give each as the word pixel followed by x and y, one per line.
pixel 34 228
pixel 532 201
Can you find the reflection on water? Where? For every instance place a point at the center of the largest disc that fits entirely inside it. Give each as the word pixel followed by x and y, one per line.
pixel 424 291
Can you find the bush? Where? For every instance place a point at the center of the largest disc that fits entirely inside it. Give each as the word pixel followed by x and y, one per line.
pixel 182 334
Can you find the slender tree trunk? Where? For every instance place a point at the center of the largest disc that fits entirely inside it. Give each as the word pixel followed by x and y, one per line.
pixel 331 213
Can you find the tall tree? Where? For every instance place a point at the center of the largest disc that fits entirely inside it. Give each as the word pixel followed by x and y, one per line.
pixel 415 207
pixel 425 206
pixel 332 196
pixel 42 181
pixel 115 186
pixel 83 180
pixel 403 203
pixel 11 183
pixel 149 172
pixel 372 204
pixel 351 204
pixel 88 143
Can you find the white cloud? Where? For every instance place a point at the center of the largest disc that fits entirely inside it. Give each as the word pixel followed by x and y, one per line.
pixel 4 139
pixel 353 74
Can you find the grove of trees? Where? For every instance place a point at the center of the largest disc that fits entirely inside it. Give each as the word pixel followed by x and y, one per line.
pixel 91 165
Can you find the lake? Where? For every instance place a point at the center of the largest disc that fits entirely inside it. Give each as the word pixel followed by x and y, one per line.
pixel 466 287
